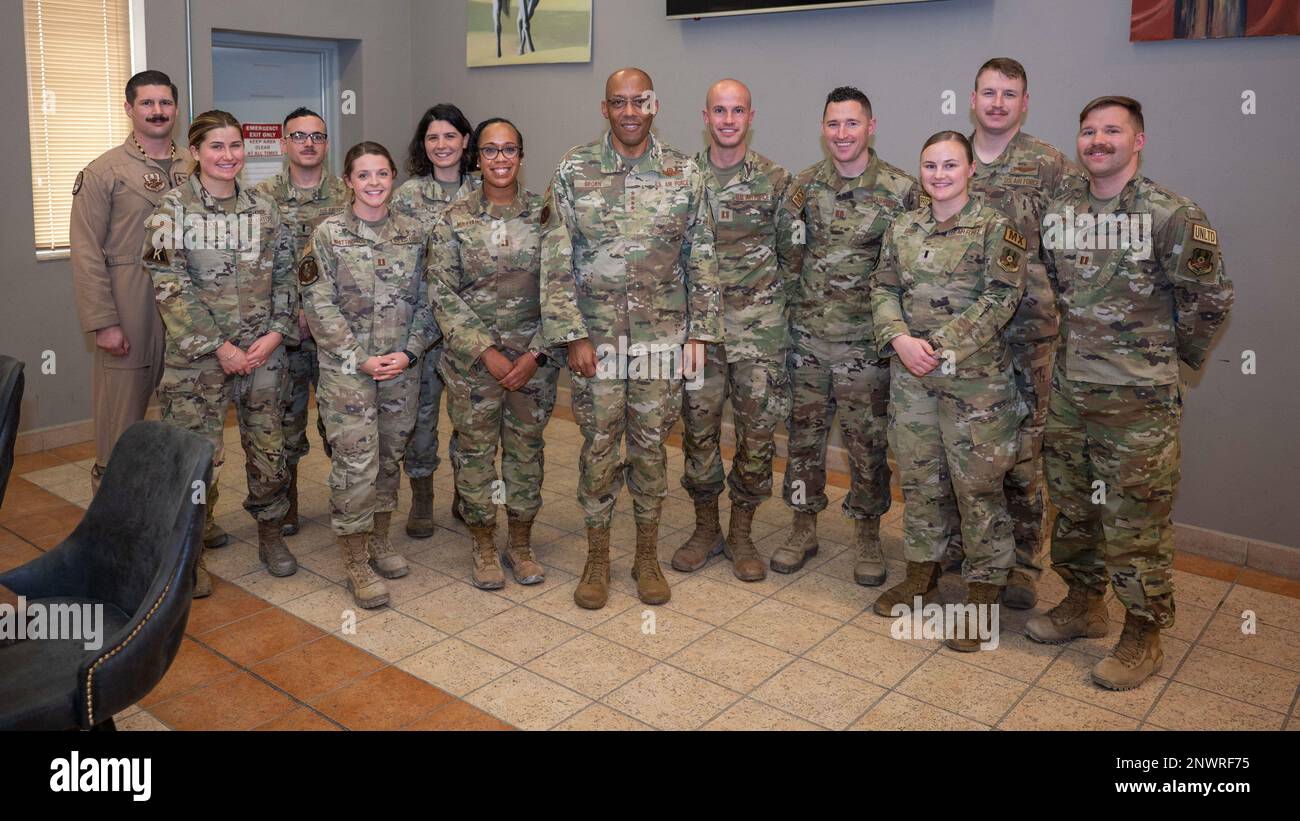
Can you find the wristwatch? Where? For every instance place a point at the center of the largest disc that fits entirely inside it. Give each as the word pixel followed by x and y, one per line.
pixel 539 357
pixel 411 357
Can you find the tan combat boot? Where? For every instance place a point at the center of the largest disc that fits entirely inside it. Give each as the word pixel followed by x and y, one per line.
pixel 518 555
pixel 802 545
pixel 705 543
pixel 419 522
pixel 922 580
pixel 384 558
pixel 213 535
pixel 367 589
pixel 1135 659
pixel 1081 614
pixel 202 580
pixel 869 569
pixel 746 564
pixel 487 573
pixel 593 588
pixel 651 586
pixel 967 639
pixel 272 550
pixel 1021 592
pixel 290 525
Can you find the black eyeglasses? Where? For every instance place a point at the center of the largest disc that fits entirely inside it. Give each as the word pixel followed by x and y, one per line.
pixel 301 136
pixel 490 152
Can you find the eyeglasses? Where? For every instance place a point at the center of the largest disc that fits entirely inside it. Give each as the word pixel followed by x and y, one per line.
pixel 300 137
pixel 490 152
pixel 620 103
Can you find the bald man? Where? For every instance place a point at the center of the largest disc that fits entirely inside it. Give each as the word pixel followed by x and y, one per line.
pixel 630 286
pixel 756 256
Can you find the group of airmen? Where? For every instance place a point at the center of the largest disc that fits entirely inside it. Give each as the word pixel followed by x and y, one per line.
pixel 942 317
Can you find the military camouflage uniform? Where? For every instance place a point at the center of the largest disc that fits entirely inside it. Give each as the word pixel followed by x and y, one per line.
pixel 235 287
pixel 303 212
pixel 484 269
pixel 422 198
pixel 364 294
pixel 833 359
pixel 1116 403
pixel 627 254
pixel 955 284
pixel 755 257
pixel 1020 183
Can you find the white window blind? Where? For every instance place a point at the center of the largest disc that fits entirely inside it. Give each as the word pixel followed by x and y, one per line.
pixel 78 62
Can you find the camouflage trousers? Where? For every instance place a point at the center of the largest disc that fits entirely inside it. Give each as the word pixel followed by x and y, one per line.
pixel 304 374
pixel 421 457
pixel 368 424
pixel 605 409
pixel 1110 455
pixel 826 376
pixel 485 414
pixel 197 399
pixel 760 400
pixel 955 440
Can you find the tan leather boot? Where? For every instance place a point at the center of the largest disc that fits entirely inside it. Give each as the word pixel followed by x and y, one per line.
pixel 1135 659
pixel 202 579
pixel 384 558
pixel 869 569
pixel 978 594
pixel 1081 614
pixel 1021 592
pixel 272 550
pixel 487 573
pixel 419 522
pixel 801 547
pixel 367 589
pixel 746 564
pixel 651 586
pixel 705 542
pixel 922 580
pixel 290 525
pixel 518 555
pixel 593 588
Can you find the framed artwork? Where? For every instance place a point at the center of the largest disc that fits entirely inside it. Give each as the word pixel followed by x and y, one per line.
pixel 516 32
pixel 1210 19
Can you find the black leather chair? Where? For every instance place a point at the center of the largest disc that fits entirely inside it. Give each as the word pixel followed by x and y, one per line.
pixel 134 552
pixel 11 404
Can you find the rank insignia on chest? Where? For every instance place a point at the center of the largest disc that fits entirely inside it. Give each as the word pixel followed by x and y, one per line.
pixel 672 171
pixel 927 253
pixel 1205 234
pixel 381 262
pixel 1016 238
pixel 308 271
pixel 840 213
pixel 1085 259
pixel 155 181
pixel 1009 261
pixel 1201 262
pixel 724 215
pixel 797 199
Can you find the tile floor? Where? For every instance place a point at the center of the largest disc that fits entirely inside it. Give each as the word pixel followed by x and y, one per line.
pixel 791 652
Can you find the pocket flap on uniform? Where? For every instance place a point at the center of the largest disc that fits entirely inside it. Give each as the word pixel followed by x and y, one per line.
pixel 1001 429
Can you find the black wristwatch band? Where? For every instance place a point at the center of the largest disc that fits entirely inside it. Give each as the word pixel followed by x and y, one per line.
pixel 411 357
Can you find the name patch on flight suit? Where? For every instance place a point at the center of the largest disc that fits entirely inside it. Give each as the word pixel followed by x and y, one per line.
pixel 587 185
pixel 308 271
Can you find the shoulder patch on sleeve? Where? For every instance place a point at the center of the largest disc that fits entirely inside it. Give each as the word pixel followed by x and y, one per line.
pixel 798 198
pixel 1205 234
pixel 1009 261
pixel 308 270
pixel 76 186
pixel 1014 237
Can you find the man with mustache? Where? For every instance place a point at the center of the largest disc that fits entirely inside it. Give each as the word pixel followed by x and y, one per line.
pixel 1129 315
pixel 627 266
pixel 112 198
pixel 306 193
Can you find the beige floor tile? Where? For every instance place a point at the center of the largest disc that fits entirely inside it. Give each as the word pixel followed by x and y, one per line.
pixel 656 632
pixel 234 560
pixel 783 626
pixel 519 634
pixel 1269 608
pixel 1201 591
pixel 142 720
pixel 455 607
pixel 329 608
pixel 1071 675
pixel 392 635
pixel 819 694
pixel 61 474
pixel 527 700
pixel 451 558
pixel 568 554
pixel 733 661
pixel 521 593
pixel 1188 624
pixel 1271 645
pixel 748 714
pixel 978 694
pixel 885 626
pixel 898 712
pixel 711 601
pixel 600 717
pixel 1016 656
pixel 1263 685
pixel 558 603
pixel 1183 707
pixel 418 581
pixel 455 666
pixel 326 563
pixel 870 656
pixel 835 598
pixel 283 589
pixel 670 699
pixel 311 537
pixel 1045 710
pixel 591 665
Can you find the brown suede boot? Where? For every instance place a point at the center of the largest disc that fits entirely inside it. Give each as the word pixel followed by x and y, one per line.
pixel 869 569
pixel 705 542
pixel 384 558
pixel 518 555
pixel 202 580
pixel 1135 659
pixel 487 573
pixel 593 588
pixel 290 525
pixel 272 550
pixel 367 589
pixel 802 545
pixel 922 580
pixel 746 564
pixel 1021 592
pixel 419 522
pixel 967 638
pixel 1081 614
pixel 651 586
